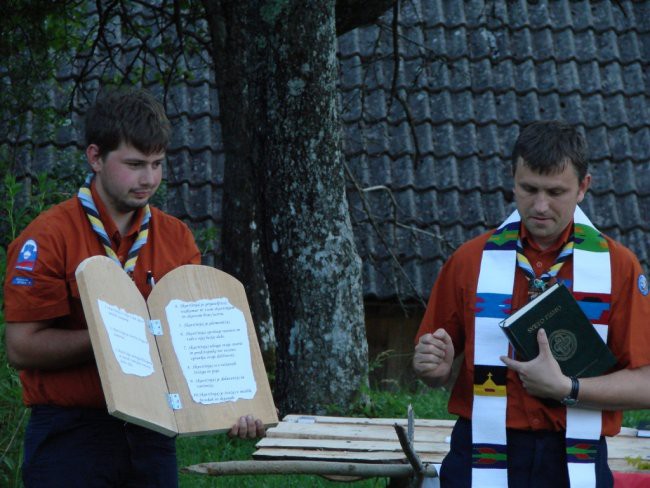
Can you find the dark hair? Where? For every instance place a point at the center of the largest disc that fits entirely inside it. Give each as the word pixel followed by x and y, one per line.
pixel 132 116
pixel 548 146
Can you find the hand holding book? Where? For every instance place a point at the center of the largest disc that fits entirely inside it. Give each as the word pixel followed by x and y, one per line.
pixel 573 340
pixel 541 376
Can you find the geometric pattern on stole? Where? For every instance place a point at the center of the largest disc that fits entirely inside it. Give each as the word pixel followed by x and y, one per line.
pixel 592 290
pixel 493 304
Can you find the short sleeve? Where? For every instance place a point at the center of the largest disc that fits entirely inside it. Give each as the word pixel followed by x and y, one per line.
pixel 35 285
pixel 629 330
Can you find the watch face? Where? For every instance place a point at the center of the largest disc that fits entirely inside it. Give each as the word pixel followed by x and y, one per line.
pixel 568 401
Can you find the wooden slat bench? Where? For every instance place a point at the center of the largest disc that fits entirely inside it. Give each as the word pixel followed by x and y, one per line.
pixel 352 439
pixel 375 440
pixel 363 446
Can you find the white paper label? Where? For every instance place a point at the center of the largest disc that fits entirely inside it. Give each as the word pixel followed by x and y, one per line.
pixel 127 334
pixel 210 339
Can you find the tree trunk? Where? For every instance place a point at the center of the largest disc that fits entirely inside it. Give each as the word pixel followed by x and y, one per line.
pixel 241 95
pixel 276 64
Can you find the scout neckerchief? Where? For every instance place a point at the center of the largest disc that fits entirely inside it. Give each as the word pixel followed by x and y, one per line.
pixel 592 280
pixel 88 204
pixel 537 285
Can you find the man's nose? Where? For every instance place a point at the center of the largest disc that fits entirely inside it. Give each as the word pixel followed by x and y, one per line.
pixel 541 202
pixel 147 175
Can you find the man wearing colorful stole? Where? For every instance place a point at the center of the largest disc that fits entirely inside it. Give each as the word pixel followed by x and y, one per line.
pixel 525 424
pixel 70 440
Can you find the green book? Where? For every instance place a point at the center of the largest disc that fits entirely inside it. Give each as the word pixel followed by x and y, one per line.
pixel 574 342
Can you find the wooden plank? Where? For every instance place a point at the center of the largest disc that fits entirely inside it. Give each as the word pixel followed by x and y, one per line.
pixel 323 419
pixel 367 457
pixel 627 445
pixel 628 431
pixel 354 431
pixel 343 445
pixel 352 456
pixel 622 446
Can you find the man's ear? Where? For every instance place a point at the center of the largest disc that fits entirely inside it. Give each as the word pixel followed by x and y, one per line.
pixel 583 187
pixel 94 157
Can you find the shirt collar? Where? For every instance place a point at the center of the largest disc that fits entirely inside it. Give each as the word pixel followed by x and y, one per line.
pixel 528 241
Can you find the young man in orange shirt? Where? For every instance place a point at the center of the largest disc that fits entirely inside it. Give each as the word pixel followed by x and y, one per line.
pixel 70 439
pixel 525 423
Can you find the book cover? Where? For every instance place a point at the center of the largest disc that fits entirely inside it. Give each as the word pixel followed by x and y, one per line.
pixel 574 342
pixel 184 362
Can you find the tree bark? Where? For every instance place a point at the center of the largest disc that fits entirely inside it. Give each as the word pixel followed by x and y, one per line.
pixel 276 70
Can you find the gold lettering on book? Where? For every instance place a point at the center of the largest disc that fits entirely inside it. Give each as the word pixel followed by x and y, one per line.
pixel 540 322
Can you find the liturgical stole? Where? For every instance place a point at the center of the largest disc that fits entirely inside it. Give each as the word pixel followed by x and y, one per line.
pixel 591 276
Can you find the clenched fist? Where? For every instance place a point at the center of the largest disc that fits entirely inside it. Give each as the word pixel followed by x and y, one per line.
pixel 434 356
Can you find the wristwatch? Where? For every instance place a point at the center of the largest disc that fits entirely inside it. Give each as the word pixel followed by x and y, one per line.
pixel 572 398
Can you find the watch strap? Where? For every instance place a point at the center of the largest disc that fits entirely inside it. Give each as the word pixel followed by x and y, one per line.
pixel 572 398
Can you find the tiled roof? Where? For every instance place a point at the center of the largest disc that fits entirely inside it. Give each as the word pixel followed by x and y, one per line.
pixel 427 146
pixel 471 74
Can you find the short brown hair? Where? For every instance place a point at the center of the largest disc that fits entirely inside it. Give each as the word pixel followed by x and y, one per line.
pixel 132 116
pixel 548 146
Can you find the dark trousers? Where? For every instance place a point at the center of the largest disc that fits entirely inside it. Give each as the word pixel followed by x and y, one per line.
pixel 79 447
pixel 535 460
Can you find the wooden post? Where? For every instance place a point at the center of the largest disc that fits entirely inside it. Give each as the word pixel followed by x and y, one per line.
pixel 421 472
pixel 323 468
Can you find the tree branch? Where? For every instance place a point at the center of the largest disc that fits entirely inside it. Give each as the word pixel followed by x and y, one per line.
pixel 351 14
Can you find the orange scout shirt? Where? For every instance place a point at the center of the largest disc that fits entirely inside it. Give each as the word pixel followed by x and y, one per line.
pixel 40 284
pixel 451 306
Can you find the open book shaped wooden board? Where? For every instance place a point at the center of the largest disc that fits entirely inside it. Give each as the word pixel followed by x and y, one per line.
pixel 184 362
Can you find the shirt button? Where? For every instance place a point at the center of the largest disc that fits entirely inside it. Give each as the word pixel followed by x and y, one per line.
pixel 538 264
pixel 536 422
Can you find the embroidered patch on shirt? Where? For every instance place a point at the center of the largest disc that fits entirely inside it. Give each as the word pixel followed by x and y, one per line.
pixel 22 281
pixel 642 282
pixel 27 256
